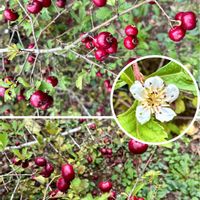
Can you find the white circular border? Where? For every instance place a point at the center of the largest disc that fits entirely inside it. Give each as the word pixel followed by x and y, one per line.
pixel 155 56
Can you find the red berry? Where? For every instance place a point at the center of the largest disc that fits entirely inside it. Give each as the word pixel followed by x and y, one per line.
pixel 107 83
pixel 103 151
pixel 10 15
pixel 53 193
pixel 89 44
pixel 31 59
pixel 137 147
pixel 95 42
pixel 113 48
pixel 140 198
pixel 6 61
pixel 16 161
pixel 99 3
pixel 99 74
pixel 61 3
pixel 85 39
pixel 20 96
pixel 89 159
pixel 44 173
pixel 92 126
pixel 68 173
pixel 131 30
pixel 179 16
pixel 101 54
pixel 52 80
pixel 41 100
pixel 2 91
pixel 152 2
pixel 25 164
pixel 62 185
pixel 105 39
pixel 49 168
pixel 82 120
pixel 130 42
pixel 40 161
pixel 112 196
pixel 188 20
pixel 34 7
pixel 176 33
pixel 45 3
pixel 105 186
pixel 31 46
pixel 109 151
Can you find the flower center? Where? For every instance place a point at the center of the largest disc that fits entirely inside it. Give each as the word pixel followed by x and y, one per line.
pixel 154 99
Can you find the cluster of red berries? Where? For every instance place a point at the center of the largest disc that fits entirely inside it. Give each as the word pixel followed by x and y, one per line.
pixel 187 23
pixel 131 41
pixel 18 162
pixel 47 169
pixel 33 7
pixel 107 152
pixel 68 174
pixel 104 43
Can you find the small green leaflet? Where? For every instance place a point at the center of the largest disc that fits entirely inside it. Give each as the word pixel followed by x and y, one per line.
pixel 3 141
pixel 23 82
pixel 79 81
pixel 103 13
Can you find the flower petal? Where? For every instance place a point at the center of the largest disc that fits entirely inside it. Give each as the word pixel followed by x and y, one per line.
pixel 154 83
pixel 165 114
pixel 171 93
pixel 143 115
pixel 138 91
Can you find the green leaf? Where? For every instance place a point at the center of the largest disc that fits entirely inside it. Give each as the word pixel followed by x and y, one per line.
pixel 23 82
pixel 151 131
pixel 103 13
pixel 128 76
pixel 3 141
pixel 79 81
pixel 175 74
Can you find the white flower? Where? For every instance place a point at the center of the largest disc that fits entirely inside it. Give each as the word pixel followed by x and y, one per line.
pixel 154 98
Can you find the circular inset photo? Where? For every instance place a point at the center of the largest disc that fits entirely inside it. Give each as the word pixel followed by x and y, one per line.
pixel 155 99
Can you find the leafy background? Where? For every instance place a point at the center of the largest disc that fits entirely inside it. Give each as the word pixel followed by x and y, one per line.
pixel 171 173
pixel 79 91
pixel 185 106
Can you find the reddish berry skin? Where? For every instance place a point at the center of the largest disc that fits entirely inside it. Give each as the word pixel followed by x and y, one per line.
pixel 40 161
pixel 112 196
pixel 16 161
pixel 95 42
pixel 99 74
pixel 84 40
pixel 31 46
pixel 41 100
pixel 137 147
pixel 131 30
pixel 20 96
pixel 62 185
pixel 177 33
pixel 25 164
pixel 31 59
pixel 105 39
pixel 89 159
pixel 68 173
pixel 61 3
pixel 130 42
pixel 82 120
pixel 92 126
pixel 113 48
pixel 103 151
pixel 101 54
pixel 179 16
pixel 6 61
pixel 152 2
pixel 44 173
pixel 105 186
pixel 45 3
pixel 53 193
pixel 89 44
pixel 34 7
pixel 188 20
pixel 99 3
pixel 52 80
pixel 140 198
pixel 107 83
pixel 49 168
pixel 109 151
pixel 2 91
pixel 10 15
